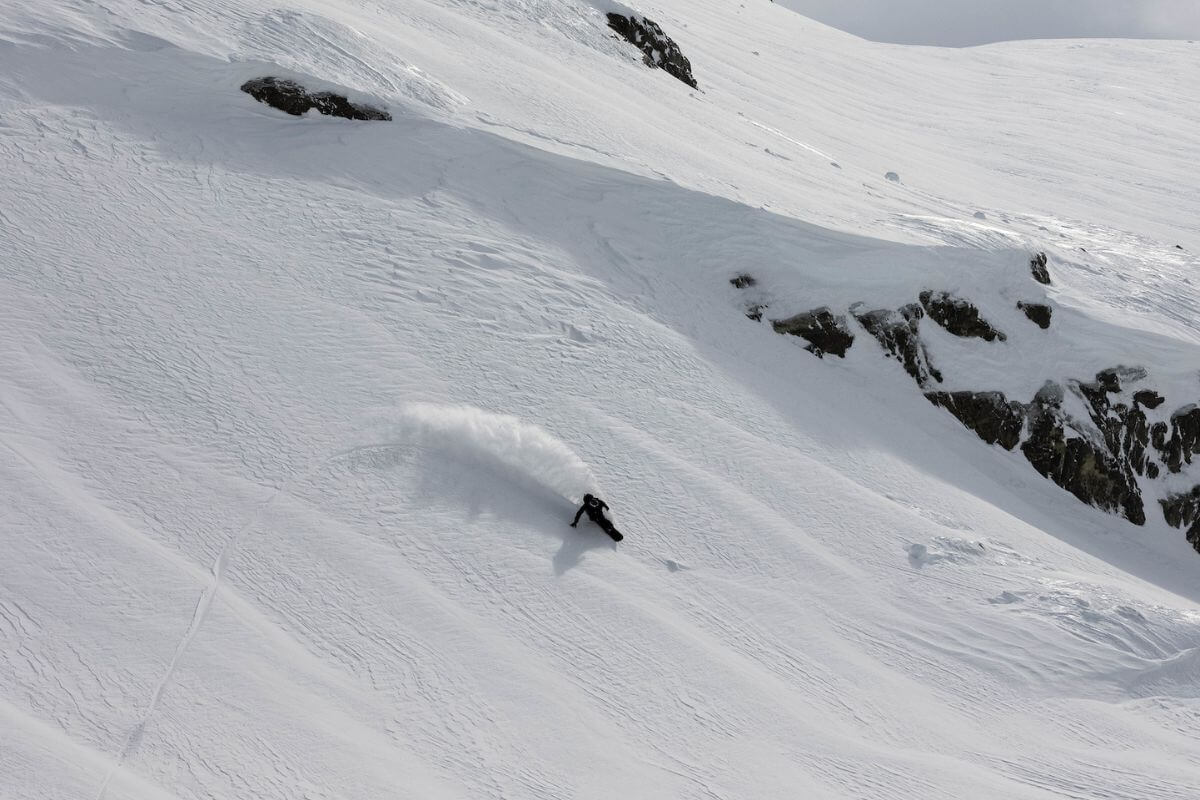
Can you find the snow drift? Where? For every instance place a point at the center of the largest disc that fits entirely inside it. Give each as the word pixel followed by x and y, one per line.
pixel 498 441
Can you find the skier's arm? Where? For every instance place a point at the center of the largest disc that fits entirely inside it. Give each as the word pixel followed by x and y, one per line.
pixel 604 505
pixel 578 514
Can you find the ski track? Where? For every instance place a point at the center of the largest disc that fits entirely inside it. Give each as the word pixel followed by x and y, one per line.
pixel 828 589
pixel 198 617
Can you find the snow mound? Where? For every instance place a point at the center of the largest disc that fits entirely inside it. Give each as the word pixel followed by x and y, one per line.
pixel 501 442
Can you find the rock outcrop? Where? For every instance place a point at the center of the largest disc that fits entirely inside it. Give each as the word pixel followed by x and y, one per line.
pixel 995 418
pixel 1124 427
pixel 1058 450
pixel 824 332
pixel 898 333
pixel 1100 473
pixel 1183 511
pixel 1038 266
pixel 291 97
pixel 1038 313
pixel 1184 440
pixel 1099 439
pixel 1148 398
pixel 658 49
pixel 958 316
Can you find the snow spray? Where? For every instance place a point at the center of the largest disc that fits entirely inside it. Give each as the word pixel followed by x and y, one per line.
pixel 499 441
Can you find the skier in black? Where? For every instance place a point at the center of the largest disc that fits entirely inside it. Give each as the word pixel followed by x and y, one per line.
pixel 595 508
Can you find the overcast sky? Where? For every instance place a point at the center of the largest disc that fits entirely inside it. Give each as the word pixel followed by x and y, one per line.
pixel 967 22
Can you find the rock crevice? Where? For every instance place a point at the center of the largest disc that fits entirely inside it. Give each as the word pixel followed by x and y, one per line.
pixel 898 332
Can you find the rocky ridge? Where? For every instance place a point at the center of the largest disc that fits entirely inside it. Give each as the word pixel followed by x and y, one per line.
pixel 1105 456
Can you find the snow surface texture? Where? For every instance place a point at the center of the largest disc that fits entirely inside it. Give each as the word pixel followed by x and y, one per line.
pixel 958 23
pixel 274 524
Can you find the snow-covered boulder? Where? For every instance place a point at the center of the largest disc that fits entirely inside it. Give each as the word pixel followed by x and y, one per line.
pixel 1038 313
pixel 289 96
pixel 1037 266
pixel 658 49
pixel 824 332
pixel 959 316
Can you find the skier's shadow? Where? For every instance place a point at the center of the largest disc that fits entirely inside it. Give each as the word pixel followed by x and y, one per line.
pixel 576 542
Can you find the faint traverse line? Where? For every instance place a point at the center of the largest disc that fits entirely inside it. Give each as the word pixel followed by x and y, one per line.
pixel 198 616
pixel 200 613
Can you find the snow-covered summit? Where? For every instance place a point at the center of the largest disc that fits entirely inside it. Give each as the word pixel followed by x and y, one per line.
pixel 294 411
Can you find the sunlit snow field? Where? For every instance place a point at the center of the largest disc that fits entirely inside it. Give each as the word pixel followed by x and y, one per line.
pixel 294 412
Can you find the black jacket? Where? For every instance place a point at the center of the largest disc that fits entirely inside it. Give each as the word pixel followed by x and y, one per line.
pixel 595 509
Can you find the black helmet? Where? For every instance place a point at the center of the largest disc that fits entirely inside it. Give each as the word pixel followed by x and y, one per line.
pixel 587 498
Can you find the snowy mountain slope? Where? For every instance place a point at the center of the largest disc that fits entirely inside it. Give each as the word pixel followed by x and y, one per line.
pixel 241 562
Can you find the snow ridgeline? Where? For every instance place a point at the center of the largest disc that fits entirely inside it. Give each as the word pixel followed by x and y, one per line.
pixel 498 441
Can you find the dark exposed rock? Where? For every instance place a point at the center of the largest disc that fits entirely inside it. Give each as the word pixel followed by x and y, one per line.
pixel 1038 313
pixel 996 419
pixel 742 281
pixel 824 332
pixel 897 332
pixel 1109 380
pixel 293 98
pixel 658 49
pixel 755 311
pixel 1183 511
pixel 1037 265
pixel 1057 451
pixel 1053 444
pixel 958 316
pixel 1113 378
pixel 1184 441
pixel 1125 429
pixel 1158 435
pixel 1148 398
pixel 1099 446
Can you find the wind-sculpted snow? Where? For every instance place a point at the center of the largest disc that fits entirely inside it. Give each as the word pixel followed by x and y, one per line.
pixel 499 441
pixel 221 579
